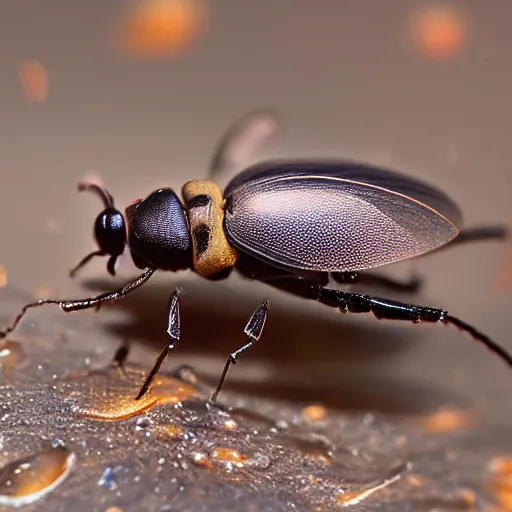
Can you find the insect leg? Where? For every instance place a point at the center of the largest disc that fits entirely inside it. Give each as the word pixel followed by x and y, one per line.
pixel 481 234
pixel 78 304
pixel 253 331
pixel 393 310
pixel 386 309
pixel 173 332
pixel 84 261
pixel 413 285
pixel 120 357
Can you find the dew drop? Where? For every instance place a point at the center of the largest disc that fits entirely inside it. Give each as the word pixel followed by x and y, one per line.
pixel 108 479
pixel 11 356
pixel 228 457
pixel 28 479
pixel 142 424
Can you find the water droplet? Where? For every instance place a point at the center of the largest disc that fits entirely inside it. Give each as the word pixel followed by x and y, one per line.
pixel 315 446
pixel 28 479
pixel 258 461
pixel 11 355
pixel 142 424
pixel 171 431
pixel 228 457
pixel 201 459
pixel 108 479
pixel 230 425
pixel 190 436
pixel 58 443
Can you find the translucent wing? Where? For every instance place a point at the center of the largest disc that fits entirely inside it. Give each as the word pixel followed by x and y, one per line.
pixel 335 216
pixel 243 139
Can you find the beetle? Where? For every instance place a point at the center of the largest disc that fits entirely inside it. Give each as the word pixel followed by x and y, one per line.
pixel 293 224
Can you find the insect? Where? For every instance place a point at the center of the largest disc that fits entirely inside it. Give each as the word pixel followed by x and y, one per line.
pixel 294 224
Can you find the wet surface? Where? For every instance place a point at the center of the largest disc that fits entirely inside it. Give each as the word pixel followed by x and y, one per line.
pixel 329 411
pixel 69 418
pixel 29 479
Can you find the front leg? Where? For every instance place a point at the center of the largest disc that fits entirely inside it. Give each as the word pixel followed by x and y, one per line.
pixel 78 304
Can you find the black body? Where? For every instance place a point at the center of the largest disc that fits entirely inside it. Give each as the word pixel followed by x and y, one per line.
pixel 158 232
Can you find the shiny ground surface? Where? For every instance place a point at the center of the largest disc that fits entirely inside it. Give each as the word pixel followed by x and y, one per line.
pixel 352 82
pixel 69 415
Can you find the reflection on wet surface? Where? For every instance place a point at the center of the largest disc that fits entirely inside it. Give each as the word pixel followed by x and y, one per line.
pixel 26 480
pixel 313 454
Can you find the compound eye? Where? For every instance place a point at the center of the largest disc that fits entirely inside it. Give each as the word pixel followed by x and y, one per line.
pixel 110 231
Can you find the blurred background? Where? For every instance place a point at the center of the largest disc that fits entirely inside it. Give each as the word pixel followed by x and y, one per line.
pixel 138 92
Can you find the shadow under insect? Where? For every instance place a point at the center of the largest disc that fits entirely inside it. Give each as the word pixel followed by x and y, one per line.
pixel 343 362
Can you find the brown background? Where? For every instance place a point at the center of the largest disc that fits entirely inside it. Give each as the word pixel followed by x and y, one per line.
pixel 350 84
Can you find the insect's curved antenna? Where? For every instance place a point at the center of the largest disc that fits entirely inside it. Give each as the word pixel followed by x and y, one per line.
pixel 102 193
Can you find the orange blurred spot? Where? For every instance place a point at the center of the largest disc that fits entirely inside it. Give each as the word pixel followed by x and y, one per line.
pixel 3 276
pixel 447 420
pixel 500 483
pixel 155 28
pixel 469 498
pixel 34 80
pixel 439 31
pixel 416 480
pixel 43 292
pixel 314 413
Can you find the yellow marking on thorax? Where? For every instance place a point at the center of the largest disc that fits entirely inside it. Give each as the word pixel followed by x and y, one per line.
pixel 212 253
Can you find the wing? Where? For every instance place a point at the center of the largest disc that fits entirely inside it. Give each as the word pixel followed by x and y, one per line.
pixel 335 216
